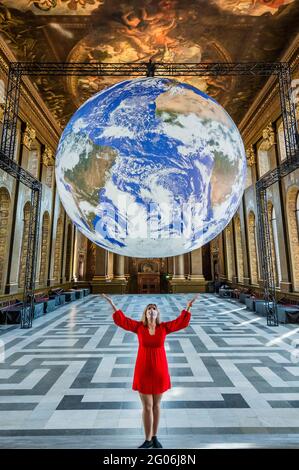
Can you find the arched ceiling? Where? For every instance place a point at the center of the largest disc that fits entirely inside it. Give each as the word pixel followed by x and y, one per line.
pixel 135 30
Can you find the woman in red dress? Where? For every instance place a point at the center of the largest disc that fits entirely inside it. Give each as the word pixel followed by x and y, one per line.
pixel 151 375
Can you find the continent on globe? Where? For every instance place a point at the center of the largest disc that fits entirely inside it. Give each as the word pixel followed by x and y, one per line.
pixel 88 176
pixel 150 167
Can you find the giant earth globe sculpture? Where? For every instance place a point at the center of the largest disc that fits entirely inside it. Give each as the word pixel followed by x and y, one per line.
pixel 150 167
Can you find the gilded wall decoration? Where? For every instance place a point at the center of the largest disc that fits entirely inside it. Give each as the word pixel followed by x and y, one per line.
pixel 5 204
pixel 49 161
pixel 250 155
pixel 1 112
pixel 293 225
pixel 47 156
pixel 148 267
pixel 29 135
pixel 269 138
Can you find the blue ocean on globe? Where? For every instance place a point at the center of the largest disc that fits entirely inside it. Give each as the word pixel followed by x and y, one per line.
pixel 150 167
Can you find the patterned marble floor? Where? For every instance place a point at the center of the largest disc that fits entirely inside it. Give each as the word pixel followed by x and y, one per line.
pixel 67 381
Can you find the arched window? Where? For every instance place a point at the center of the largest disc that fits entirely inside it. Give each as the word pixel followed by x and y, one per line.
pixel 293 229
pixel 252 246
pixel 44 249
pixel 24 246
pixel 4 224
pixel 276 246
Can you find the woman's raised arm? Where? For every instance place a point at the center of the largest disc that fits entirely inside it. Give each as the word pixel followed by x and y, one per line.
pixel 106 297
pixel 182 321
pixel 189 304
pixel 120 319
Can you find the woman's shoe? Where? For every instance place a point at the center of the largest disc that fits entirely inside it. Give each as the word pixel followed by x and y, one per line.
pixel 146 445
pixel 156 443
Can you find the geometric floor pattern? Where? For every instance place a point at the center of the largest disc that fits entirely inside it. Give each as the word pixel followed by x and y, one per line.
pixel 66 382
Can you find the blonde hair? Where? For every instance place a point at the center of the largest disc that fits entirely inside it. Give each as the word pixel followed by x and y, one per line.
pixel 144 318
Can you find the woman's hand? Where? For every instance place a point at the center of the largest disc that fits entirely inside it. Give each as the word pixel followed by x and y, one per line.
pixel 109 300
pixel 106 297
pixel 189 304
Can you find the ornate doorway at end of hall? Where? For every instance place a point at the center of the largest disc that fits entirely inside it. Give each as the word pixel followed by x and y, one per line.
pixel 148 278
pixel 147 275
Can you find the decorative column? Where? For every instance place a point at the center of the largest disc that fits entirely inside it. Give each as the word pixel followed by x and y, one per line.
pixel 109 273
pixel 221 257
pixel 170 266
pixel 170 273
pixel 179 267
pixel 101 268
pixel 234 252
pixel 110 263
pixel 196 273
pixel 229 251
pixel 178 281
pixel 214 251
pixel 119 267
pixel 119 281
pixel 251 167
pixel 28 136
pixel 197 280
pixel 127 267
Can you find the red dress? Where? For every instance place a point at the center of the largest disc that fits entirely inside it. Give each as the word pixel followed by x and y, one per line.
pixel 151 375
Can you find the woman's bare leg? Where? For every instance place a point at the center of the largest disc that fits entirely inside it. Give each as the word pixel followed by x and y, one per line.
pixel 156 412
pixel 147 414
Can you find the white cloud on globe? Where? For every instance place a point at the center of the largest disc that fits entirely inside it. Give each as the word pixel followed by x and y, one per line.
pixel 150 167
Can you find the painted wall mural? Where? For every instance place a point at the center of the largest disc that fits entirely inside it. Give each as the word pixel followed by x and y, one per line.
pixel 55 7
pixel 136 30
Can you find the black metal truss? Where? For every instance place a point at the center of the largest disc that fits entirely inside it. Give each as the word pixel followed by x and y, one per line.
pixel 12 168
pixel 150 69
pixel 266 258
pixel 8 137
pixel 157 69
pixel 288 112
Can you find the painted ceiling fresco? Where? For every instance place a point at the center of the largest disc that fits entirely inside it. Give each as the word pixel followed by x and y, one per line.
pixel 136 30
